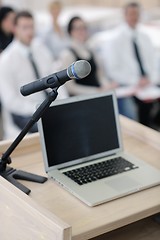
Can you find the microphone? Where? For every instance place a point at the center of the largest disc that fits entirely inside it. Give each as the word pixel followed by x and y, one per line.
pixel 77 70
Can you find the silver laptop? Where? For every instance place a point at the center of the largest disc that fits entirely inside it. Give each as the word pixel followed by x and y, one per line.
pixel 83 152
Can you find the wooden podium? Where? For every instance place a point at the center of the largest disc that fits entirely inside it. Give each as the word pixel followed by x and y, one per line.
pixel 22 218
pixel 50 212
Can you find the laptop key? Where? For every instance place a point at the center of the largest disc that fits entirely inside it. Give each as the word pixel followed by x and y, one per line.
pixel 100 170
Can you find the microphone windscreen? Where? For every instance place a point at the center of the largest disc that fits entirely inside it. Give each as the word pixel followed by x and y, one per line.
pixel 79 69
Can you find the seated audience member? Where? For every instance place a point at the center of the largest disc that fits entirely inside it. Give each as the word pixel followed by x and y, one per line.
pixel 25 60
pixel 7 16
pixel 78 50
pixel 131 62
pixel 55 38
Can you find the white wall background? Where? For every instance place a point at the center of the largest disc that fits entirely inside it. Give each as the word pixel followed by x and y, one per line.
pixel 28 4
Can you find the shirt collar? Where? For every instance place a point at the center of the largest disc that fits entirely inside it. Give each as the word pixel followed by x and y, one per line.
pixel 131 32
pixel 24 49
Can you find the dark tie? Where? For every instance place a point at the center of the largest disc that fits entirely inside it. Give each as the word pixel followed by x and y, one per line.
pixel 35 69
pixel 138 58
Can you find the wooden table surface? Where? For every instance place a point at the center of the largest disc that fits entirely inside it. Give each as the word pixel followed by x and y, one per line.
pixel 90 222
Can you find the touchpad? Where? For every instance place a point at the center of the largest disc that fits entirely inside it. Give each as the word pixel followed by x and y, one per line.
pixel 122 183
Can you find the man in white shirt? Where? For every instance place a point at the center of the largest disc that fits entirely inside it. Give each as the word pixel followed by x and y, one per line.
pixel 132 62
pixel 25 60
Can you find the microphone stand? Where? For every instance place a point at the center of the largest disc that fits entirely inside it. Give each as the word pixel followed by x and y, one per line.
pixel 11 174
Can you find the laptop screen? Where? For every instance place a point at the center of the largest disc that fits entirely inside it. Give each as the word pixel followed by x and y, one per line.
pixel 79 129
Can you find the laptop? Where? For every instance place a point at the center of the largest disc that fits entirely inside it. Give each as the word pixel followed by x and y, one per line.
pixel 83 151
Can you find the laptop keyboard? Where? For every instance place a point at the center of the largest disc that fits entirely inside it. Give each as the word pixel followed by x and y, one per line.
pixel 100 170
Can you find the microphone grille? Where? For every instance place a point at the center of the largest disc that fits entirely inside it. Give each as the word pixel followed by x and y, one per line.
pixel 79 69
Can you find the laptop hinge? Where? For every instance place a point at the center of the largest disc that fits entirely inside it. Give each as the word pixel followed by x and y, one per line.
pixel 93 159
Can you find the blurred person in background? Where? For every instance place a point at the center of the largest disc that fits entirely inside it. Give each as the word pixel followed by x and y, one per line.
pixel 24 61
pixel 77 50
pixel 132 62
pixel 7 16
pixel 55 38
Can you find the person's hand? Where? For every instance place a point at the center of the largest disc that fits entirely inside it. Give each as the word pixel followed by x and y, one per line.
pixel 113 85
pixel 108 86
pixel 143 82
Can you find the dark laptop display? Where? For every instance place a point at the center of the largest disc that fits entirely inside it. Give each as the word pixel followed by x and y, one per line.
pixel 70 134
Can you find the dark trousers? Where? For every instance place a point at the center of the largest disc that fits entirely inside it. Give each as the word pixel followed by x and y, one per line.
pixel 21 121
pixel 144 111
pixel 156 118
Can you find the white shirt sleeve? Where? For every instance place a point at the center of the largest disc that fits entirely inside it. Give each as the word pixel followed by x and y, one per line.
pixel 15 71
pixel 118 65
pixel 121 64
